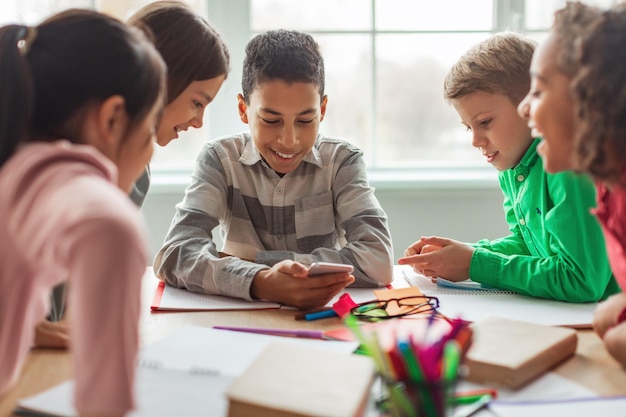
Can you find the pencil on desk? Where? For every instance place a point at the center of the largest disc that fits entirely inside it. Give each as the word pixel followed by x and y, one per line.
pixel 307 334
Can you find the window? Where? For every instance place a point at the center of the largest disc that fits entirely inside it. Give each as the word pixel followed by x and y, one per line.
pixel 179 154
pixel 386 61
pixel 385 64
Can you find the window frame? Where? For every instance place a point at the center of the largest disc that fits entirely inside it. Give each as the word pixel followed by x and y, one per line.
pixel 233 20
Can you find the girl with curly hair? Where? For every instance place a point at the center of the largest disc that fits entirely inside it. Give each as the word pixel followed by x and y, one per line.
pixel 577 103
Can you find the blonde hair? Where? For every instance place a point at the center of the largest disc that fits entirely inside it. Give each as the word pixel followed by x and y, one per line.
pixel 500 64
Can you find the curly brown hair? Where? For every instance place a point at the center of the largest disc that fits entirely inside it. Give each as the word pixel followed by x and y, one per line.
pixel 599 90
pixel 570 22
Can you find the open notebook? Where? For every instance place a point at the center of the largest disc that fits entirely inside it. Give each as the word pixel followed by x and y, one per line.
pixel 477 304
pixel 168 298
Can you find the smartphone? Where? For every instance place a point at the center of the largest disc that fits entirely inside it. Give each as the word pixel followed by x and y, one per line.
pixel 320 268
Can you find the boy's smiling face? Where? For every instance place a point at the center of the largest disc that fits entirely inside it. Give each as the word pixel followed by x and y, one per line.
pixel 284 120
pixel 497 130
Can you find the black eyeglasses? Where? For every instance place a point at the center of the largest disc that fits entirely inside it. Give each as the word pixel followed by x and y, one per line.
pixel 377 309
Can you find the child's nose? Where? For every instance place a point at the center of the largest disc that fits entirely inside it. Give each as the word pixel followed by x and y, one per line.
pixel 478 139
pixel 197 120
pixel 288 136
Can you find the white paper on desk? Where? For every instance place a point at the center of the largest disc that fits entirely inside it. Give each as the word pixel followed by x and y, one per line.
pixel 597 406
pixel 223 351
pixel 159 393
pixel 474 305
pixel 179 299
pixel 550 386
pixel 185 373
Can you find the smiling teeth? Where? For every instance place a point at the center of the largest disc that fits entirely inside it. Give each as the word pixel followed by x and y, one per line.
pixel 286 155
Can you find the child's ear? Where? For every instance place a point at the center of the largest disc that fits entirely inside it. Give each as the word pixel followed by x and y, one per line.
pixel 243 108
pixel 112 120
pixel 323 107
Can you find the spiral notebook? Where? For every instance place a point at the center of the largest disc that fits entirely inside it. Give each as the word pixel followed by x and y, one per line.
pixel 477 303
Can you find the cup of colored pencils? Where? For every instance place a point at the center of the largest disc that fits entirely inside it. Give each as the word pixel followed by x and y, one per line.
pixel 419 365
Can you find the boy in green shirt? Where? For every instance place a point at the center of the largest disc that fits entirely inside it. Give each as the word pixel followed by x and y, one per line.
pixel 556 248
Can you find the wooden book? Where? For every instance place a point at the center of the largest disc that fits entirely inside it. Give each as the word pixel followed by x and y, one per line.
pixel 289 381
pixel 510 353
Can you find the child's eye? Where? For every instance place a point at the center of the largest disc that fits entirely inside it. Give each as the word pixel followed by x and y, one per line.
pixel 485 123
pixel 269 122
pixel 198 104
pixel 305 121
pixel 535 93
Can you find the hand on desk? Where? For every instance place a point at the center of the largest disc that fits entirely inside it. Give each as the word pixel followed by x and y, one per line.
pixel 50 334
pixel 439 257
pixel 287 283
pixel 609 324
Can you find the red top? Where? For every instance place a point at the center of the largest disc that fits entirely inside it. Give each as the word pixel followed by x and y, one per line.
pixel 611 213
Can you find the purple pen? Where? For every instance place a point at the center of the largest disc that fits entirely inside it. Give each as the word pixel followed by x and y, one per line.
pixel 307 334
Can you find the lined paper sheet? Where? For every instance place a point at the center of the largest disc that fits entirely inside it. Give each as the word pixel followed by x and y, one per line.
pixel 473 305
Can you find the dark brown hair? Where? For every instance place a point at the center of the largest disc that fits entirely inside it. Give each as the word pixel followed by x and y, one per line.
pixel 499 65
pixel 599 90
pixel 191 48
pixel 285 55
pixel 569 23
pixel 76 58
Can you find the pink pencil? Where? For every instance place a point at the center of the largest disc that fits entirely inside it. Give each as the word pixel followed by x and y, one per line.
pixel 307 334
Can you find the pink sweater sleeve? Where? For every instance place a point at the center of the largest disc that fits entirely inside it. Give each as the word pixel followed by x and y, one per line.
pixel 108 260
pixel 64 219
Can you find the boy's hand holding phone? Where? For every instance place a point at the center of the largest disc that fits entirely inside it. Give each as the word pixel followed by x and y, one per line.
pixel 287 282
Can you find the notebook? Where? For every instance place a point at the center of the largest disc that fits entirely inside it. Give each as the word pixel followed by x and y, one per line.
pixel 477 304
pixel 168 298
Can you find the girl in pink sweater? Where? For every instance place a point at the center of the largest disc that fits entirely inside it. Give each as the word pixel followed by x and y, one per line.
pixel 80 96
